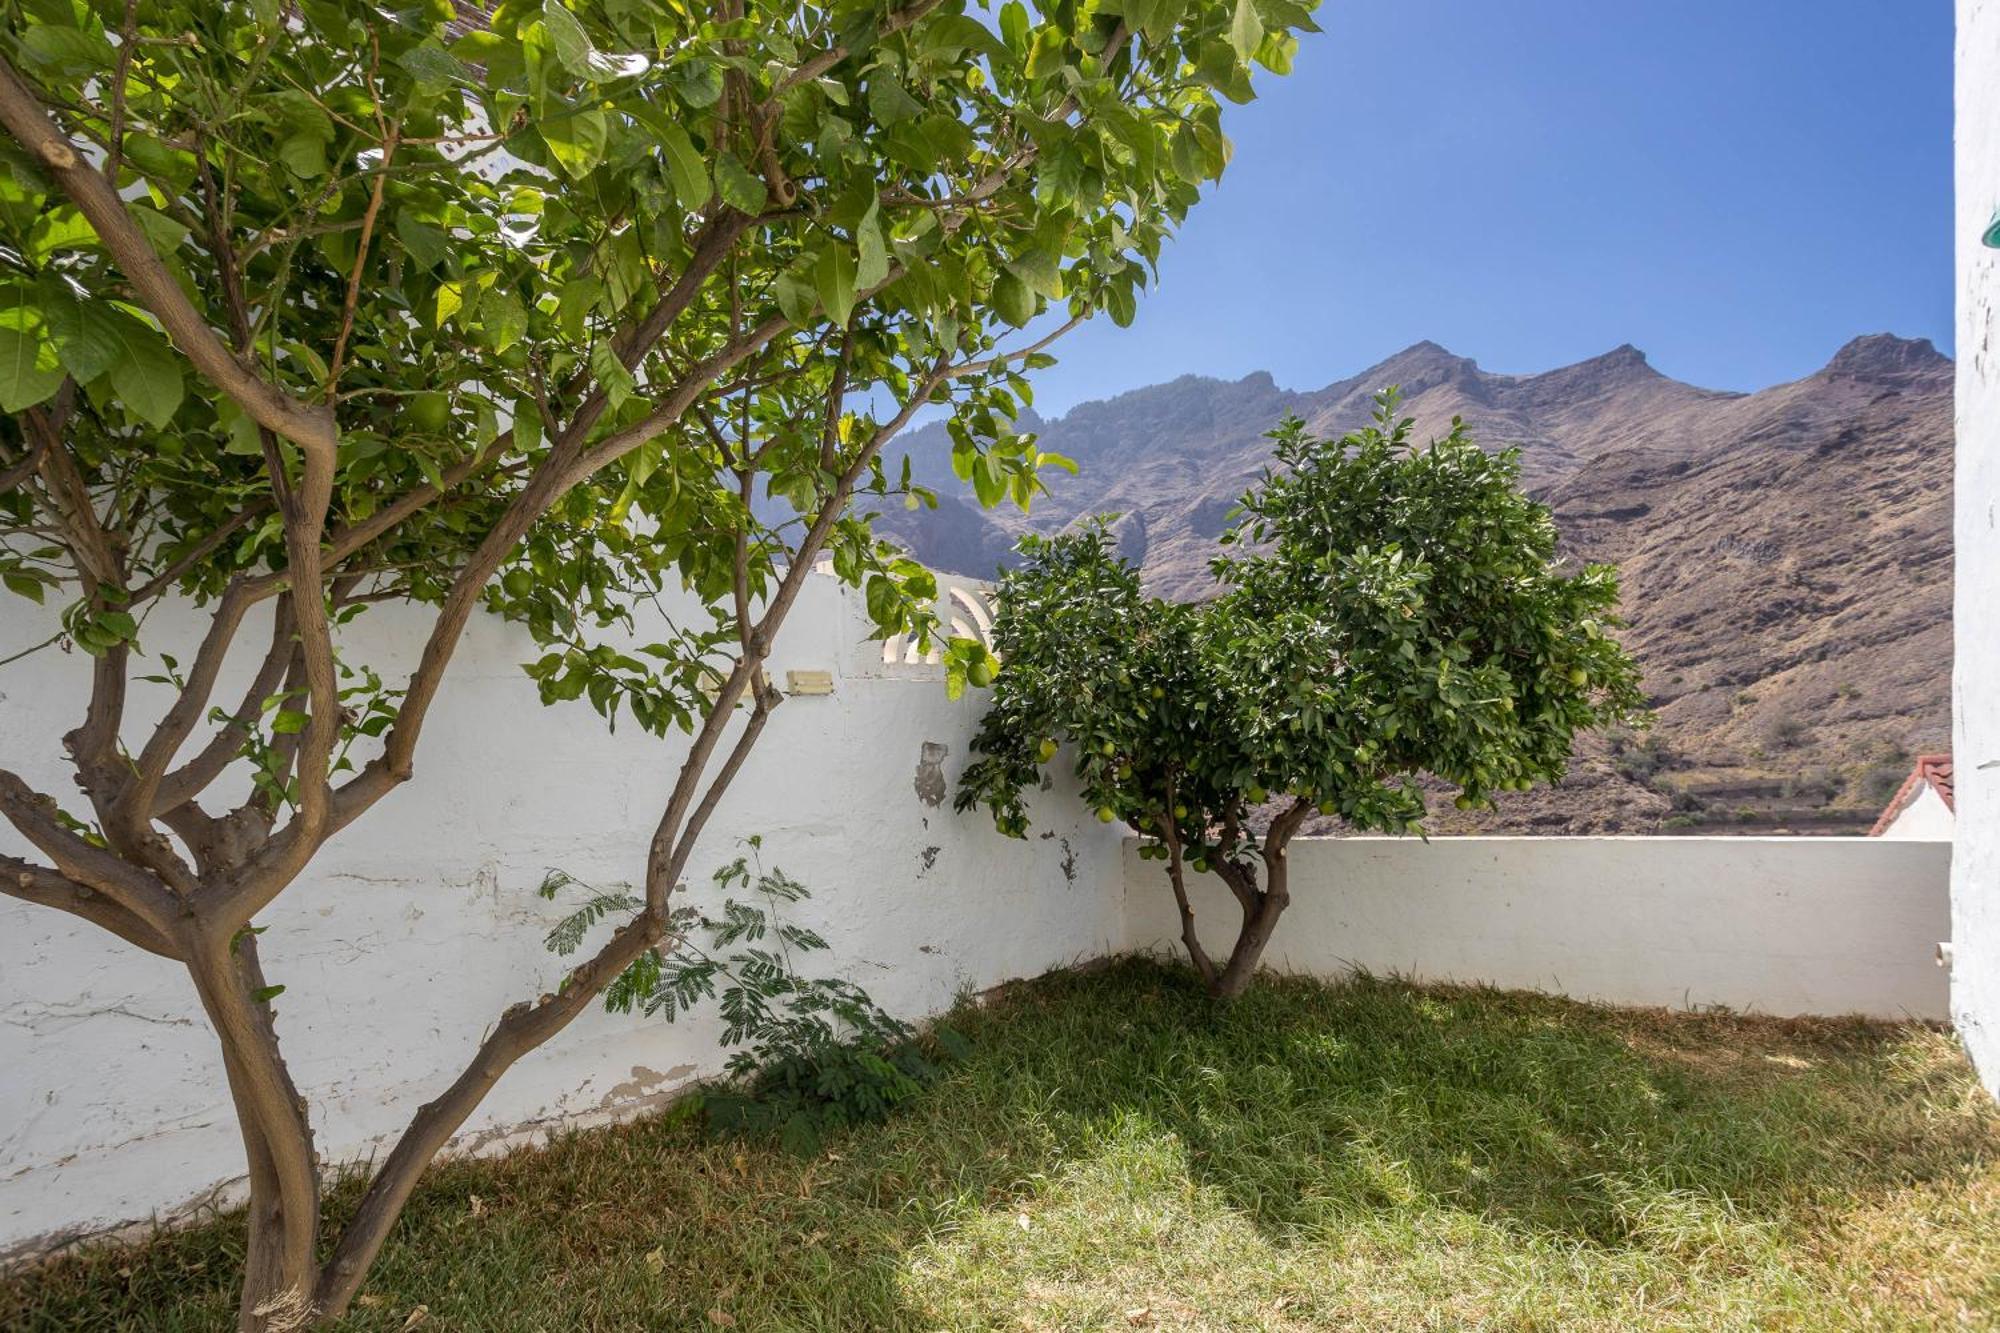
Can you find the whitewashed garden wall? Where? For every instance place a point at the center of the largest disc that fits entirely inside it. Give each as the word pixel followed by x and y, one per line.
pixel 421 922
pixel 418 925
pixel 1764 925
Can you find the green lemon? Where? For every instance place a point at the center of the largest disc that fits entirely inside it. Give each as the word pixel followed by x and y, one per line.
pixel 428 412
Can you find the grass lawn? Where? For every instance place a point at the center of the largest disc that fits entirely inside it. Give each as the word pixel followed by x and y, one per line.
pixel 1120 1153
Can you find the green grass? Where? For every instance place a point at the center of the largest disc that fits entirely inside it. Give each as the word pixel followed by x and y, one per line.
pixel 1118 1152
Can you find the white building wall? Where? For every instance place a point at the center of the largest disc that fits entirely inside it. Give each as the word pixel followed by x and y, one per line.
pixel 1924 818
pixel 1976 672
pixel 1778 926
pixel 419 924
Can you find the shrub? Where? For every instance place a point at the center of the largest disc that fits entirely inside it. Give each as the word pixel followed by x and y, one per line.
pixel 1786 731
pixel 1389 611
pixel 809 1054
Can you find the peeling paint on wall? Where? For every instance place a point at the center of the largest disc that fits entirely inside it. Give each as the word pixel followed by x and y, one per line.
pixel 930 773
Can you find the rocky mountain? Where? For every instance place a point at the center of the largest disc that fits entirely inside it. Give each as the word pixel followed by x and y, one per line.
pixel 1786 555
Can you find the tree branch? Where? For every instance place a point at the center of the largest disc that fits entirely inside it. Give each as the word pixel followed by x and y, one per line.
pixel 51 888
pixel 313 430
pixel 33 816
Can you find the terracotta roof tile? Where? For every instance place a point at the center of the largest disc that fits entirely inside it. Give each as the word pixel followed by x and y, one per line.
pixel 1934 769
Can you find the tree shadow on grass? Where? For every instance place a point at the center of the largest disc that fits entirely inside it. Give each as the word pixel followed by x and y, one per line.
pixel 1298 1113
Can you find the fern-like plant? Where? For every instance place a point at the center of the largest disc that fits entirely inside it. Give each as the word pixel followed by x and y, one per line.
pixel 810 1054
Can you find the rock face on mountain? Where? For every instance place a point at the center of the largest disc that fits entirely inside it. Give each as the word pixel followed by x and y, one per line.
pixel 1786 555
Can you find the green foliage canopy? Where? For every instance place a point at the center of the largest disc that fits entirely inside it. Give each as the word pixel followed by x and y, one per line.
pixel 1387 611
pixel 575 233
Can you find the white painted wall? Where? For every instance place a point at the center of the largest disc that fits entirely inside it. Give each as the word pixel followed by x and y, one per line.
pixel 1771 925
pixel 1976 671
pixel 420 923
pixel 1924 818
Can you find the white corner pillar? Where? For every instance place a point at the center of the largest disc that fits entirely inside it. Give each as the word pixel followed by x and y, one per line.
pixel 1975 886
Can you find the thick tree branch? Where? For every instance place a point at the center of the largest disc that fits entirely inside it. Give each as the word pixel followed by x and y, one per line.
pixel 33 815
pixel 192 778
pixel 312 429
pixel 51 888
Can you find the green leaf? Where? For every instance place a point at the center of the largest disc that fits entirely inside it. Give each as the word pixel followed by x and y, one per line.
pixel 572 43
pixel 612 377
pixel 432 66
pixel 304 155
pixel 741 189
pixel 450 300
pixel 288 722
pixel 685 166
pixel 797 296
pixel 69 51
pixel 86 334
pixel 426 244
pixel 503 319
pixel 576 139
pixel 1042 271
pixel 873 266
pixel 1246 29
pixel 147 379
pixel 1014 25
pixel 165 234
pixel 24 586
pixel 888 101
pixel 61 228
pixel 835 276
pixel 30 371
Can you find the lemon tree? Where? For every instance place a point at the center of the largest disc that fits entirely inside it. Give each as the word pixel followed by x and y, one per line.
pixel 542 308
pixel 1388 611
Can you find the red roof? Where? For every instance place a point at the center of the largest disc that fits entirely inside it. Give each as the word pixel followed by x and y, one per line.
pixel 1934 769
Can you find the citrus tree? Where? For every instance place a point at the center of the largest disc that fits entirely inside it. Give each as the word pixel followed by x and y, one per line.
pixel 1387 612
pixel 313 306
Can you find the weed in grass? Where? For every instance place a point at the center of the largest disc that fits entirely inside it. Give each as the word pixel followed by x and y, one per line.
pixel 1116 1151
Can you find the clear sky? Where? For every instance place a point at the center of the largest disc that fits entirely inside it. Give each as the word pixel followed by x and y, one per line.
pixel 1735 186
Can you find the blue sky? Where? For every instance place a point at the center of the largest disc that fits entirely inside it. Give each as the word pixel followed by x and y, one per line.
pixel 1735 186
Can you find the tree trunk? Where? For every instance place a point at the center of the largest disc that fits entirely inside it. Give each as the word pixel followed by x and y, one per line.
pixel 280 1265
pixel 1261 910
pixel 1258 924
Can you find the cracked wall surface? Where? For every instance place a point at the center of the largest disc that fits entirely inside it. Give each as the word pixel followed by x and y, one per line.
pixel 1976 614
pixel 418 925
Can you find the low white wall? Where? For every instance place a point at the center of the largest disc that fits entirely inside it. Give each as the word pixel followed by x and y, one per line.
pixel 1771 925
pixel 420 924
